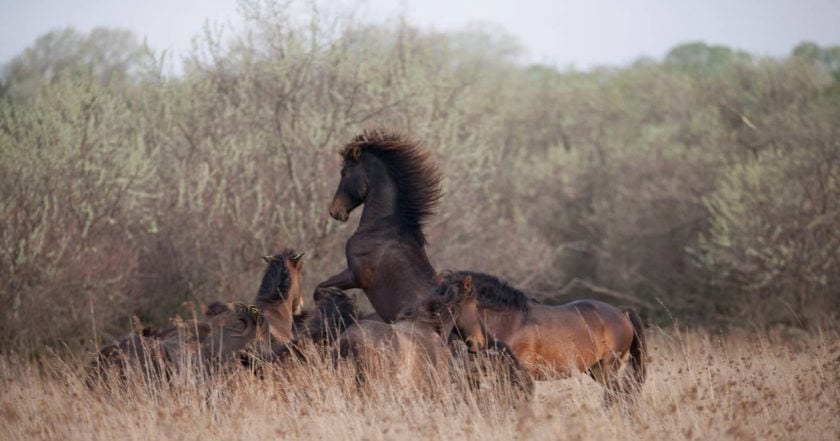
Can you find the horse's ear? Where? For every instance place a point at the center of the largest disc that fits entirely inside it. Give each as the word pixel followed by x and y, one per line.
pixel 407 313
pixel 296 259
pixel 267 259
pixel 215 309
pixel 355 153
pixel 468 285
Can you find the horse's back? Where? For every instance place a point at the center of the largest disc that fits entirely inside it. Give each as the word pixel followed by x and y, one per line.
pixel 403 339
pixel 598 317
pixel 409 353
pixel 590 308
pixel 366 339
pixel 423 343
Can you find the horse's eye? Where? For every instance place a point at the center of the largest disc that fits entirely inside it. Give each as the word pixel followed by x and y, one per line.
pixel 241 324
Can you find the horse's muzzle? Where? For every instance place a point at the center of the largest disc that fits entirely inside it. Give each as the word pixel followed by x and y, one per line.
pixel 472 345
pixel 338 210
pixel 340 216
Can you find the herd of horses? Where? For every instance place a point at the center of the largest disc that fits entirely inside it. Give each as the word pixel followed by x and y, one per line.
pixel 423 318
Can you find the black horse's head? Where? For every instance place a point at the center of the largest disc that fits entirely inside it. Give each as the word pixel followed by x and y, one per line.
pixel 394 168
pixel 353 187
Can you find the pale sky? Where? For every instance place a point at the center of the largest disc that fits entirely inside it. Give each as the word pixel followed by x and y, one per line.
pixel 583 33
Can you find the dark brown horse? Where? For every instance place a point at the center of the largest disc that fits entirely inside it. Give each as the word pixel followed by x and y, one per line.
pixel 399 185
pixel 585 335
pixel 413 350
pixel 334 312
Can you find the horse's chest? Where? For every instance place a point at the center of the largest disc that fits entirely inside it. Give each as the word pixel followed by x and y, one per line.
pixel 363 263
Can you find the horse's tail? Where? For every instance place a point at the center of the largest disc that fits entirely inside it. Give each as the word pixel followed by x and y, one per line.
pixel 637 347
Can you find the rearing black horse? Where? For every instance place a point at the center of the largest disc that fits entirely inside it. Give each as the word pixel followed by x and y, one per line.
pixel 399 185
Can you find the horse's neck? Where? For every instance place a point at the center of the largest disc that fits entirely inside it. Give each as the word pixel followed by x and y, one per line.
pixel 381 212
pixel 280 323
pixel 381 201
pixel 502 322
pixel 381 217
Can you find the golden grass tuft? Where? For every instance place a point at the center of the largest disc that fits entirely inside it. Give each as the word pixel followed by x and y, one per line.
pixel 700 386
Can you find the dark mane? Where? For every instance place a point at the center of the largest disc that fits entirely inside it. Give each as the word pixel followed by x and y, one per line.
pixel 427 311
pixel 417 178
pixel 276 280
pixel 332 315
pixel 495 293
pixel 216 308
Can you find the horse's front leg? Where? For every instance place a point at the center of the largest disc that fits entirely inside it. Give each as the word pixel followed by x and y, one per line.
pixel 344 280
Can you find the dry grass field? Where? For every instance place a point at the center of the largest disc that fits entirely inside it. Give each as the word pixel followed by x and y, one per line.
pixel 699 386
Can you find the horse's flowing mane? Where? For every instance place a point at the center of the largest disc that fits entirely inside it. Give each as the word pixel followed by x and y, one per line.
pixel 276 276
pixel 495 293
pixel 417 178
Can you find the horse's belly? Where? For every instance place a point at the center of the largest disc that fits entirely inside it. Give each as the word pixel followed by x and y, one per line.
pixel 550 354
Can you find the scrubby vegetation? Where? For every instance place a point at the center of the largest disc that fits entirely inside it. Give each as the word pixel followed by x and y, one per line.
pixel 705 187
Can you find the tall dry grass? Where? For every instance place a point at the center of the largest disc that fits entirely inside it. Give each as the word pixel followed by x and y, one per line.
pixel 700 386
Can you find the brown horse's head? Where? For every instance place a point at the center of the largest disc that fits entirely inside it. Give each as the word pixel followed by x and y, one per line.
pixel 281 280
pixel 452 307
pixel 353 187
pixel 232 328
pixel 279 297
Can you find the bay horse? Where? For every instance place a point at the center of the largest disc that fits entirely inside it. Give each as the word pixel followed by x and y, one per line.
pixel 278 297
pixel 553 340
pixel 228 329
pixel 153 355
pixel 413 349
pixel 400 186
pixel 334 312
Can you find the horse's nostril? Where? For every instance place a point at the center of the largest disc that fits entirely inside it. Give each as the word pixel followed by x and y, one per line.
pixel 339 215
pixel 471 344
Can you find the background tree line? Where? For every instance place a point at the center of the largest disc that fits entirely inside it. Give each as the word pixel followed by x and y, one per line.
pixel 704 187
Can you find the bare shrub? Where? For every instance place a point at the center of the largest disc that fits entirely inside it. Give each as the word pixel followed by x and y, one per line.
pixel 132 192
